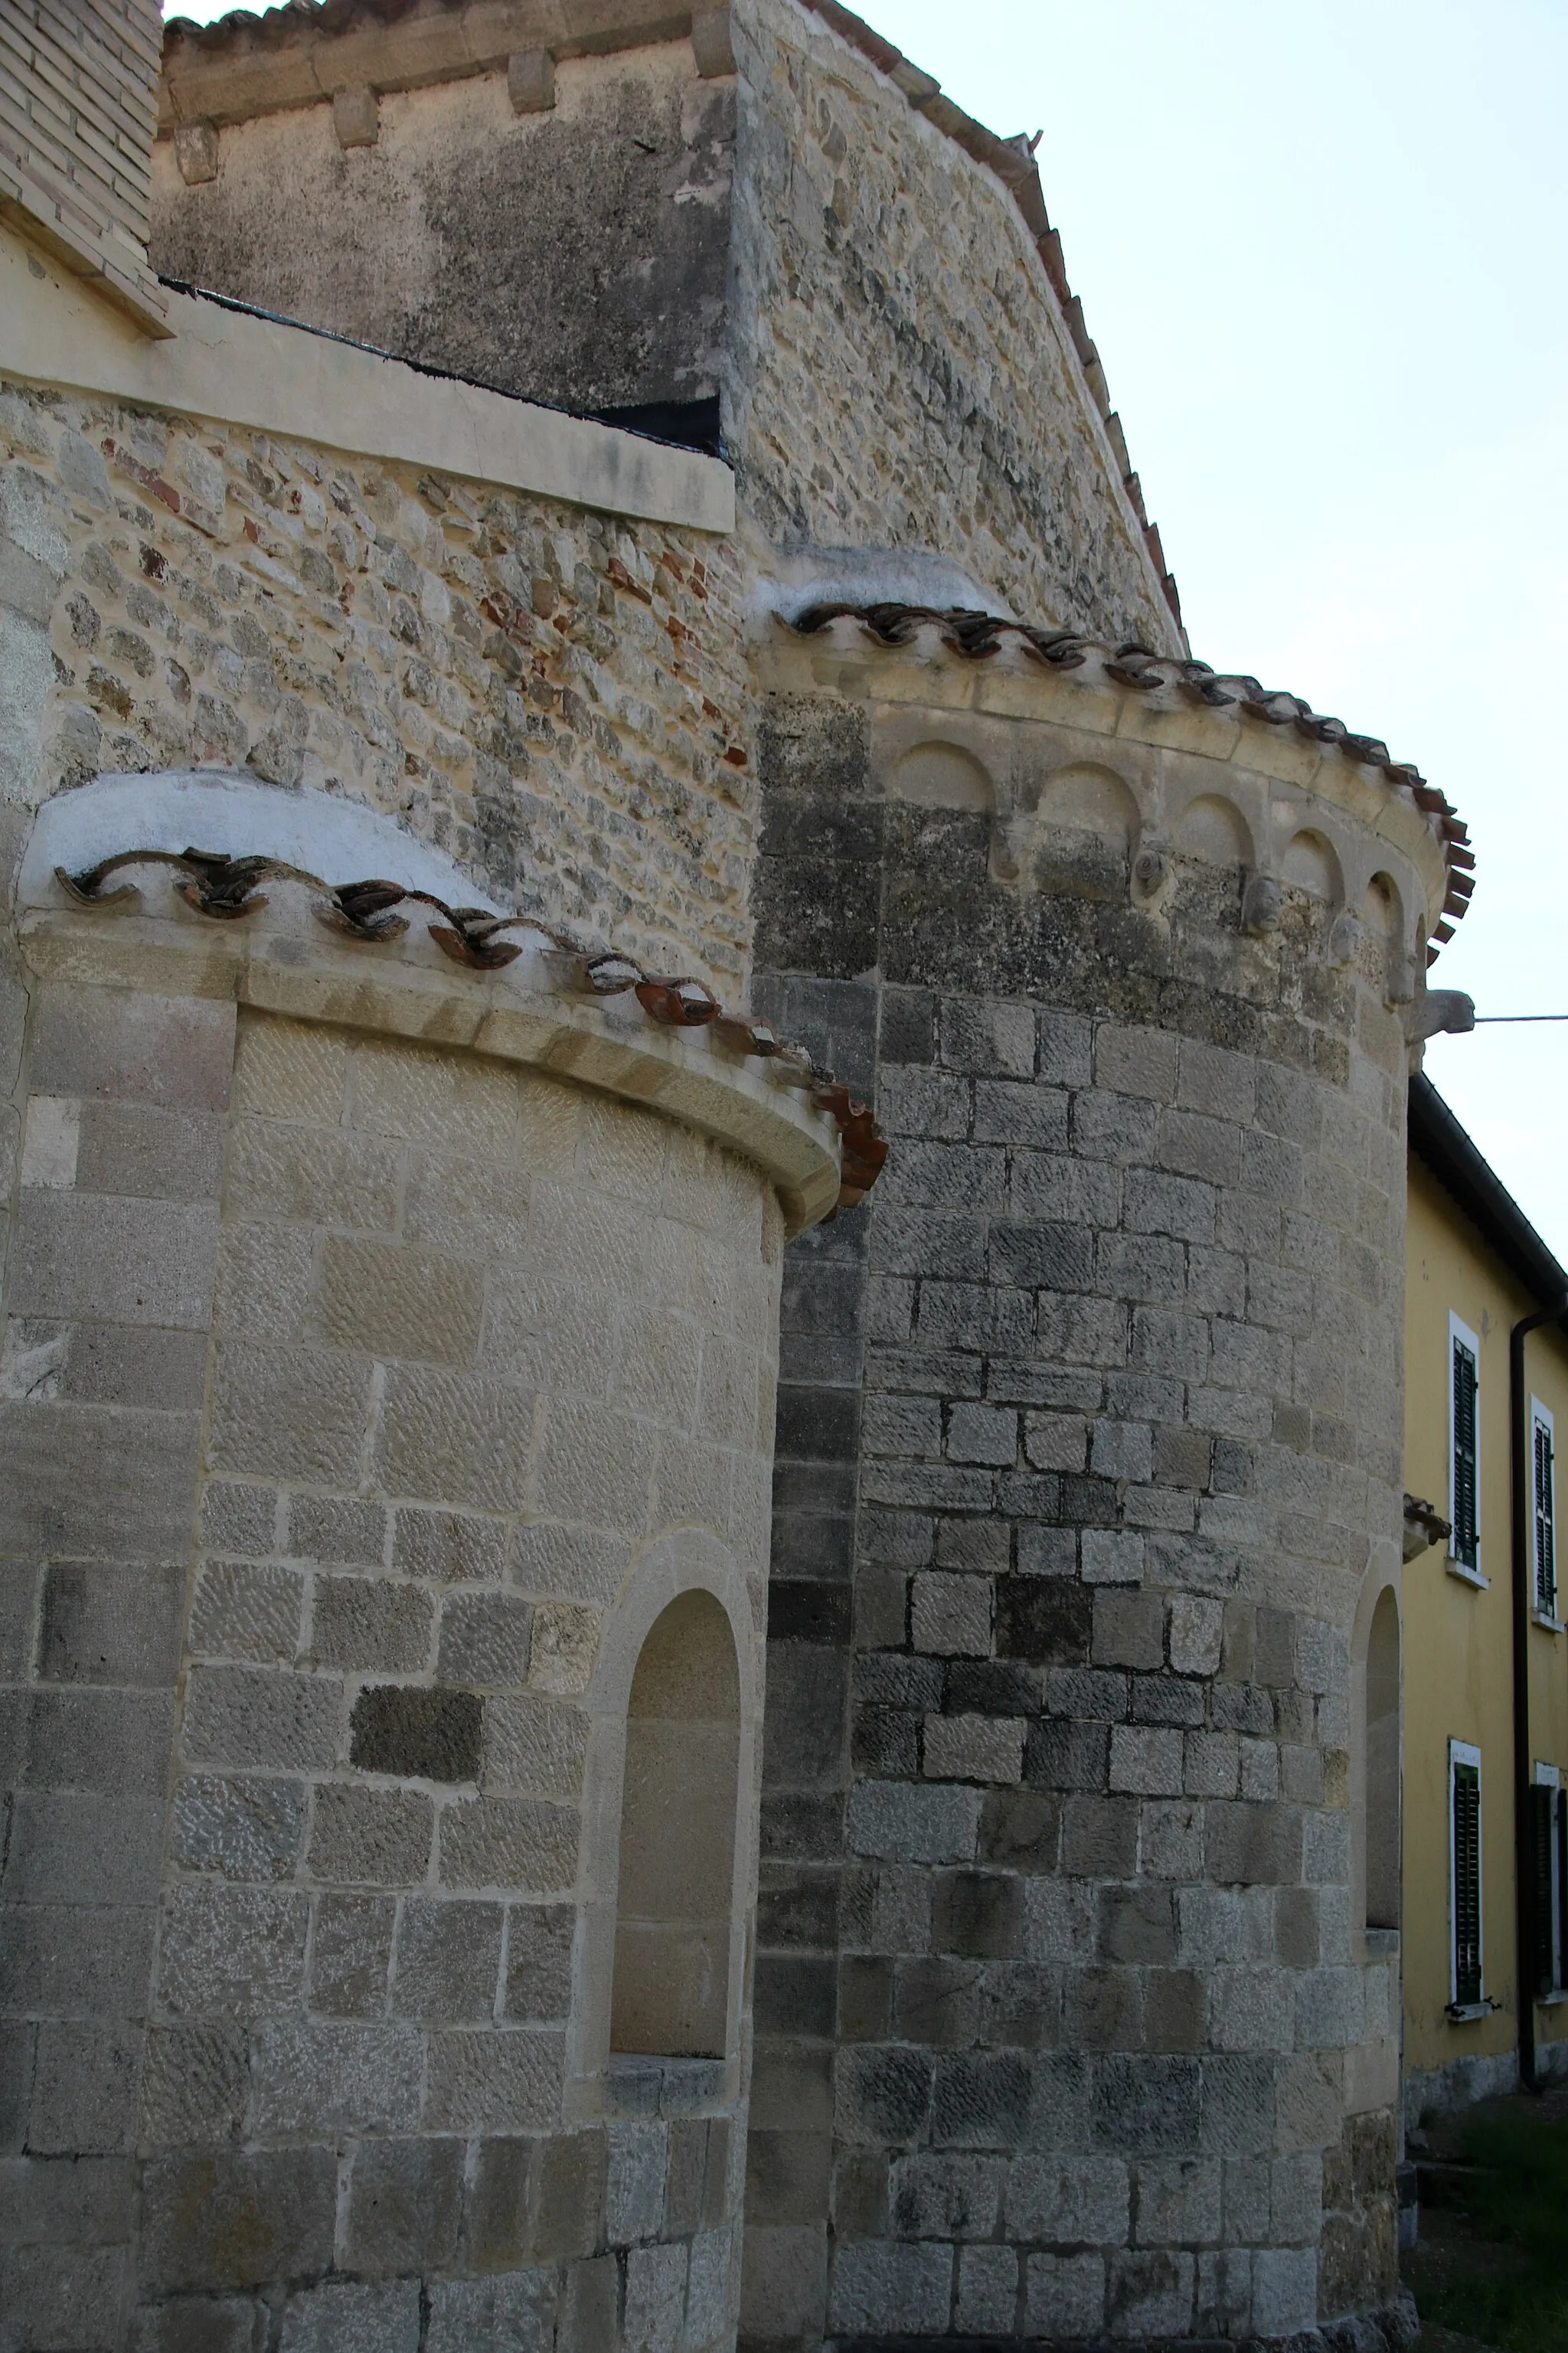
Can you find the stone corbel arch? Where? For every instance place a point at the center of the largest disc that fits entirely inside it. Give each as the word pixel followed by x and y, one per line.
pixel 681 1561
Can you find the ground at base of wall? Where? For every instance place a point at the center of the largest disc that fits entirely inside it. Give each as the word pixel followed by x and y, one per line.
pixel 1394 2330
pixel 1487 2269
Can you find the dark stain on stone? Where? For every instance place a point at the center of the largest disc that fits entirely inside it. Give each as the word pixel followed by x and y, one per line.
pixel 418 1733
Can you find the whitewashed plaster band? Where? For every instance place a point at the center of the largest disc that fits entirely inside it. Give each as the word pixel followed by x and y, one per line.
pixel 228 363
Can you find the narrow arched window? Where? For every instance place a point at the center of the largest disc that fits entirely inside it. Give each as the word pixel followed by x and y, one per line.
pixel 1383 1792
pixel 676 1884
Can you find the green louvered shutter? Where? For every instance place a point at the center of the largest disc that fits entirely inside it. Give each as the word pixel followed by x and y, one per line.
pixel 1466 1535
pixel 1467 1806
pixel 1545 1523
pixel 1543 1828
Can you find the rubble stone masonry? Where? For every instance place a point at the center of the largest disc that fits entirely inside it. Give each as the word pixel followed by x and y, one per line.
pixel 555 699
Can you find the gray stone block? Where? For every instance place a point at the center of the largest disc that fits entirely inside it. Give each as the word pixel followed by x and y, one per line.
pixel 404 2206
pixel 248 1716
pixel 108 1623
pixel 351 1955
pixel 136 1506
pixel 84 2088
pixel 337 1528
pixel 52 2297
pixel 512 2313
pixel 882 2094
pixel 352 2316
pixel 198 2325
pixel 244 1829
pixel 655 2294
pixel 538 1982
pixel 485 1640
pixel 238 1951
pixel 237 2218
pixel 195 2083
pixel 1067 2201
pixel 382 1837
pixel 309 2079
pixel 131 1047
pixel 447 1961
pixel 899 1822
pixel 243 1610
pixel 240 1518
pixel 129 1262
pixel 878 2285
pixel 493 2080
pixel 67 1845
pixel 1147 2105
pixel 76 1960
pixel 1065 2294
pixel 157 1154
pixel 455 1546
pixel 1151 2293
pixel 417 1733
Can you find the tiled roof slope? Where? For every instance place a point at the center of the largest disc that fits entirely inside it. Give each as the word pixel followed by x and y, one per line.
pixel 1132 668
pixel 573 27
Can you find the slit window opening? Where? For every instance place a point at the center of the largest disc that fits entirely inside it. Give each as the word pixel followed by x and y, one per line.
pixel 670 1996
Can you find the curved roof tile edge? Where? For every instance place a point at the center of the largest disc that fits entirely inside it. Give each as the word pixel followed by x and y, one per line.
pixel 1136 669
pixel 1011 159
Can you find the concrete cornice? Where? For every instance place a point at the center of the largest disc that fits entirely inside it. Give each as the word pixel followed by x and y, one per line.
pixel 243 66
pixel 275 377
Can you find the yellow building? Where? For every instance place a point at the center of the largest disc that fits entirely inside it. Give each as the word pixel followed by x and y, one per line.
pixel 1485 1653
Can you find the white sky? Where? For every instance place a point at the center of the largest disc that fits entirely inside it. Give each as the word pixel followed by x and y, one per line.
pixel 1321 250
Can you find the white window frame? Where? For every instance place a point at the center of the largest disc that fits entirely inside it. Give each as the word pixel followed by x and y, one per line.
pixel 1541 1418
pixel 1550 1777
pixel 1461 1752
pixel 1459 1330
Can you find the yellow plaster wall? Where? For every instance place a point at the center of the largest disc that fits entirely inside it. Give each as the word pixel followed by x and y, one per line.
pixel 1458 1680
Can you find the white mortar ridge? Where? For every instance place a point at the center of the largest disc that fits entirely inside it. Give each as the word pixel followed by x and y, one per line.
pixel 224 811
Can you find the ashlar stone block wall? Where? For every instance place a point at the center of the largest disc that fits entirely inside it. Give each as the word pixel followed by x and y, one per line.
pixel 1087 1456
pixel 899 372
pixel 350 1386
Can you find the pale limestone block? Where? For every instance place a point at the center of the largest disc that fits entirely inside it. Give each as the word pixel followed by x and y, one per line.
pixel 311 1176
pixel 436 1097
pixel 535 1744
pixel 196 151
pixel 50 1140
pixel 493 2080
pixel 265 1281
pixel 290 1069
pixel 454 1438
pixel 564 1645
pixel 398 1301
pixel 356 117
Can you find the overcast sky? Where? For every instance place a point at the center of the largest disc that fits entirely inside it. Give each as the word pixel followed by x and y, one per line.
pixel 1319 248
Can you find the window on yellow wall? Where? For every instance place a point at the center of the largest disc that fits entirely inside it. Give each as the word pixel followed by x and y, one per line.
pixel 1464 1448
pixel 1465 1954
pixel 1544 1511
